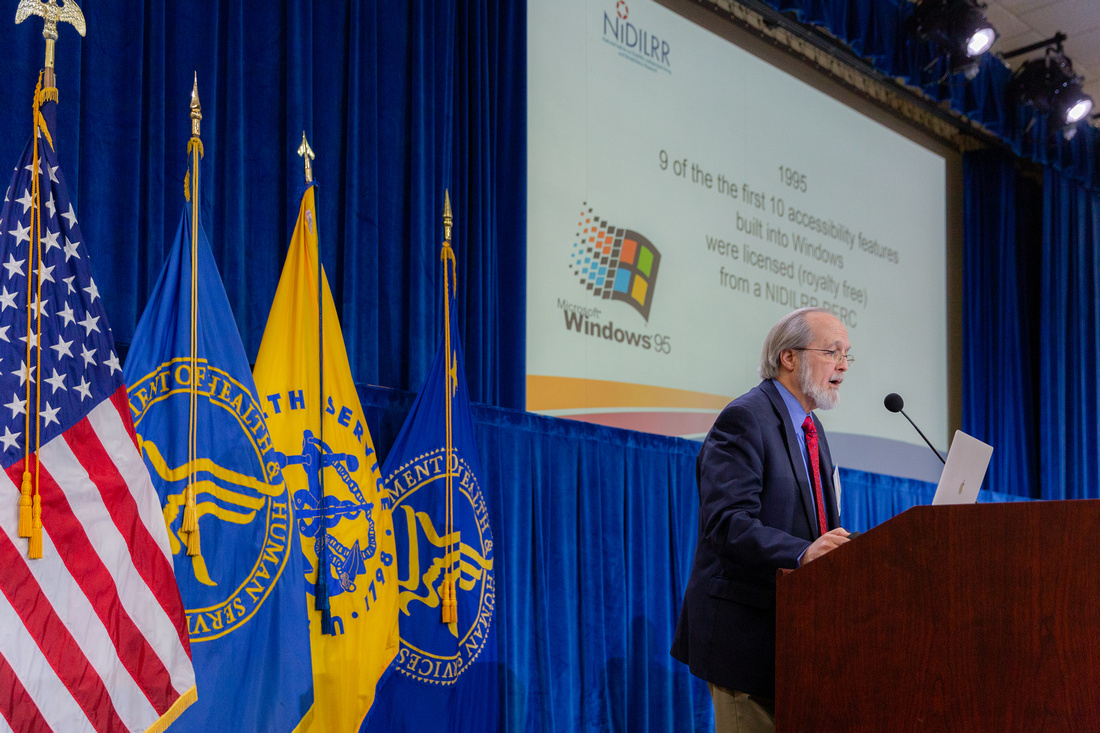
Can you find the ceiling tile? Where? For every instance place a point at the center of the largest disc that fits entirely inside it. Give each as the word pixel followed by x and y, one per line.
pixel 1006 22
pixel 1069 16
pixel 1022 6
pixel 1084 50
pixel 1093 90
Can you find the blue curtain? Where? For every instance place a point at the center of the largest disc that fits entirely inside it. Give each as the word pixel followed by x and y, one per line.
pixel 1031 327
pixel 594 531
pixel 1001 260
pixel 400 100
pixel 1070 341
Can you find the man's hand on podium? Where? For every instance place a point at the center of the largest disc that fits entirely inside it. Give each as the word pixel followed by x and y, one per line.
pixel 831 540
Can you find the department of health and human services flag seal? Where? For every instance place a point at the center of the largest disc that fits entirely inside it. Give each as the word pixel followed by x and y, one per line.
pixel 243 504
pixel 335 496
pixel 431 651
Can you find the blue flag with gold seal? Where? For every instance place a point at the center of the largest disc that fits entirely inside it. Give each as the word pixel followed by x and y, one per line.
pixel 445 677
pixel 203 435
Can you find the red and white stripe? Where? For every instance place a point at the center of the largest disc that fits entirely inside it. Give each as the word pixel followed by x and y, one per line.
pixel 93 635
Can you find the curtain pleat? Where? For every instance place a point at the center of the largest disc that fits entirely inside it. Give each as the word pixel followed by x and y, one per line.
pixel 1031 327
pixel 1001 262
pixel 1069 434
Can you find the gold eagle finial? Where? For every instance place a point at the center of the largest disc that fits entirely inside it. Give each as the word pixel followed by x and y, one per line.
pixel 52 14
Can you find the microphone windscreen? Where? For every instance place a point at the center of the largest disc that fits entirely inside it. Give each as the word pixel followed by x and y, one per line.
pixel 894 402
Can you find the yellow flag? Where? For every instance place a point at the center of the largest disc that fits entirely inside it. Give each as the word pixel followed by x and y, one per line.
pixel 328 461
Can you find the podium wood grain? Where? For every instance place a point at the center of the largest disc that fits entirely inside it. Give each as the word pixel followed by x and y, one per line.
pixel 982 617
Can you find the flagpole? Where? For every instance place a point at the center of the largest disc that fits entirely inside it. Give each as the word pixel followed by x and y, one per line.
pixel 320 587
pixel 51 14
pixel 447 257
pixel 190 524
pixel 34 551
pixel 30 507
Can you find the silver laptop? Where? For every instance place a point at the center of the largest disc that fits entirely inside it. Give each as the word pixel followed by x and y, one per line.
pixel 967 462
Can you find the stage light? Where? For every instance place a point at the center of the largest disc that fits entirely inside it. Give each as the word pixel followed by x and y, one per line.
pixel 957 27
pixel 980 42
pixel 1050 86
pixel 1079 109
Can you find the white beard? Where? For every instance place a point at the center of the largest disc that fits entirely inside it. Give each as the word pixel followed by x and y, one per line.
pixel 825 398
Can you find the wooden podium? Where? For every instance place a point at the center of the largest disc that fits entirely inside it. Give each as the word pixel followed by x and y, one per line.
pixel 981 617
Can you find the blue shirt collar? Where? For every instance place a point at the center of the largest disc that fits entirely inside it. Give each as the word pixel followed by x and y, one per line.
pixel 794 407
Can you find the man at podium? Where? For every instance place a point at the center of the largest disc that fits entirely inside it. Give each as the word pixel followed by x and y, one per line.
pixel 766 501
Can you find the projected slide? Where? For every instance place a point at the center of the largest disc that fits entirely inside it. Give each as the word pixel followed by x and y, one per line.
pixel 682 196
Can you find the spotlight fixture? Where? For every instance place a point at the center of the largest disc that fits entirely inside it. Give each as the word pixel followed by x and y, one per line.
pixel 1050 86
pixel 957 27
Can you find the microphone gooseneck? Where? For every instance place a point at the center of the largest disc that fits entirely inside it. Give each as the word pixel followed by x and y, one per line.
pixel 894 403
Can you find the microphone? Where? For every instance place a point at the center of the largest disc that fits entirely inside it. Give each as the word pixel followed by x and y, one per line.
pixel 894 403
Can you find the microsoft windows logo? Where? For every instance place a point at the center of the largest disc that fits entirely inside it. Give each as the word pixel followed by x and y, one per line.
pixel 615 263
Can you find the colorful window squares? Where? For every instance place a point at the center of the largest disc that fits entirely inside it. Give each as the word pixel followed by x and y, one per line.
pixel 629 248
pixel 615 263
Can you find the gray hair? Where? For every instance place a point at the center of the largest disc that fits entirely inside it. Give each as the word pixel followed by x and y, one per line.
pixel 792 332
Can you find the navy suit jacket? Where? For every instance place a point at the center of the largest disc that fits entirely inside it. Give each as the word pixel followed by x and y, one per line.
pixel 756 516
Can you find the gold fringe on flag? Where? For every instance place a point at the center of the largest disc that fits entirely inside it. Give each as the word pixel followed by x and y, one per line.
pixel 173 713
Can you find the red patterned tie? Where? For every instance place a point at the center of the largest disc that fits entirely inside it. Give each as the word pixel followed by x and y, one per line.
pixel 815 467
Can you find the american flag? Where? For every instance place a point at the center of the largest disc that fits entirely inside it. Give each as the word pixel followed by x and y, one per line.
pixel 93 635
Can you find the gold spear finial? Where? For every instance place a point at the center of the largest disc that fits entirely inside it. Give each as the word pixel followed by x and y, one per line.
pixel 52 14
pixel 448 217
pixel 307 155
pixel 196 108
pixel 194 145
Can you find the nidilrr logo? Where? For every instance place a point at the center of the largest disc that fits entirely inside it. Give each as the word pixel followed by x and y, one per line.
pixel 615 263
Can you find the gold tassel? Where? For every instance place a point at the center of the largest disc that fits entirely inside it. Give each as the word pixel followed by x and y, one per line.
pixel 450 603
pixel 193 547
pixel 190 513
pixel 35 552
pixel 25 506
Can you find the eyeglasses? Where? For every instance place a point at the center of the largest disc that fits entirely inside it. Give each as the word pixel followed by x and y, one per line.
pixel 835 354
